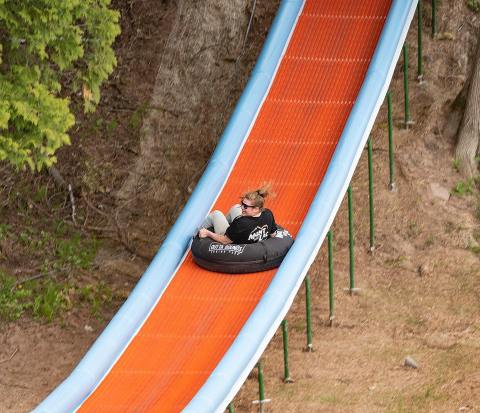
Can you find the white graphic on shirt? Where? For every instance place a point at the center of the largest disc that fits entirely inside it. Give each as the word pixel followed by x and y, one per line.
pixel 259 234
pixel 282 234
pixel 228 248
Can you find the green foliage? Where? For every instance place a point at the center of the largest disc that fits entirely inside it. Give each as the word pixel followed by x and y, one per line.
pixel 13 301
pixel 474 5
pixel 135 120
pixel 76 253
pixel 40 194
pixel 474 248
pixel 50 301
pixel 62 254
pixel 4 231
pixel 68 250
pixel 111 126
pixel 96 295
pixel 49 50
pixel 47 300
pixel 464 187
pixel 456 165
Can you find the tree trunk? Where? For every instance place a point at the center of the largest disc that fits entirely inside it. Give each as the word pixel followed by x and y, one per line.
pixel 468 143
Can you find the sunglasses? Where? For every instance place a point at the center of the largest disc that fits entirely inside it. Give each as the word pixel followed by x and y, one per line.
pixel 245 206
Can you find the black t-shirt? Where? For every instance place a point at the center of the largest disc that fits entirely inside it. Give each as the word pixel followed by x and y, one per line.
pixel 247 230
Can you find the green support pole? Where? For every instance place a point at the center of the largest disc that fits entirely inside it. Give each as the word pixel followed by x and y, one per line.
pixel 351 239
pixel 391 185
pixel 261 390
pixel 309 313
pixel 286 371
pixel 330 276
pixel 420 45
pixel 231 408
pixel 370 192
pixel 434 18
pixel 408 120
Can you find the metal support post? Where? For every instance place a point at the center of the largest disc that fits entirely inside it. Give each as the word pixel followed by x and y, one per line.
pixel 391 185
pixel 261 390
pixel 286 371
pixel 408 120
pixel 370 193
pixel 351 238
pixel 309 313
pixel 330 276
pixel 420 45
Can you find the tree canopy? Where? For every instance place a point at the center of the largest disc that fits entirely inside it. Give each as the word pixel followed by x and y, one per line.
pixel 49 50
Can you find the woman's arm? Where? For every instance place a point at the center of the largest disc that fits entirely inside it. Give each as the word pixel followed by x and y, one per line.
pixel 223 239
pixel 273 227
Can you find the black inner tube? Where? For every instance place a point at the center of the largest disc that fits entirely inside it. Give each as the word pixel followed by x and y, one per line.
pixel 242 258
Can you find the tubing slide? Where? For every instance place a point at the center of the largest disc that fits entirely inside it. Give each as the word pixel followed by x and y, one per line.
pixel 187 338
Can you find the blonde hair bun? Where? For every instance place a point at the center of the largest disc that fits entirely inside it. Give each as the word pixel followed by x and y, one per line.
pixel 258 196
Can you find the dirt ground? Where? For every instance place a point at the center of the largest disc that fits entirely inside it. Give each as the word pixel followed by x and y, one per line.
pixel 419 290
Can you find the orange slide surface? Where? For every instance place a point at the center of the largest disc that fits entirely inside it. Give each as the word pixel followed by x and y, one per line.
pixel 290 145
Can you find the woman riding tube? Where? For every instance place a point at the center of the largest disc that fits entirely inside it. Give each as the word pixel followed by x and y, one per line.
pixel 246 240
pixel 245 223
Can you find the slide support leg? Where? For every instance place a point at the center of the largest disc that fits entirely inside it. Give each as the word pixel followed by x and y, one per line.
pixel 330 276
pixel 408 120
pixel 261 392
pixel 420 43
pixel 351 242
pixel 370 192
pixel 286 370
pixel 308 305
pixel 391 185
